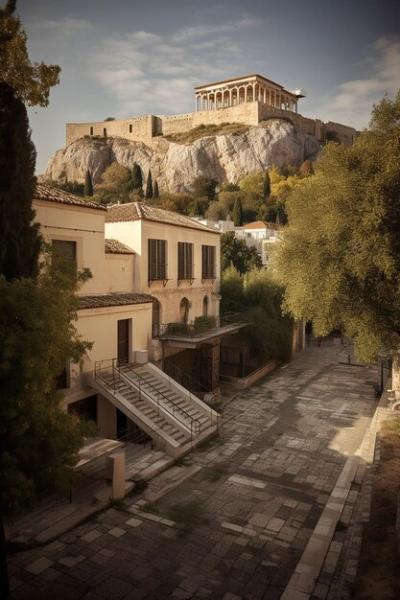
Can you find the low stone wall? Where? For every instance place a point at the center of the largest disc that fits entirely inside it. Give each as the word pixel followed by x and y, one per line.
pixel 254 376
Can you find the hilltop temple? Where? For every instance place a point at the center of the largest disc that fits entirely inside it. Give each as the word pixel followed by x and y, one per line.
pixel 247 100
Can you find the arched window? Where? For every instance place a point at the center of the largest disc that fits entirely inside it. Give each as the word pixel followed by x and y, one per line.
pixel 184 310
pixel 205 306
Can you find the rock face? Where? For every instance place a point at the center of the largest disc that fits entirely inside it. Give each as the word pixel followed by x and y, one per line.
pixel 175 165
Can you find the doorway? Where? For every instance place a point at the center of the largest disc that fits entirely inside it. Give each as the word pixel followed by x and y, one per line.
pixel 123 341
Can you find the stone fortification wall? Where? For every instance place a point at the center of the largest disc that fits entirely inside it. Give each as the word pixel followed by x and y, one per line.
pixel 246 113
pixel 136 129
pixel 176 123
pixel 249 113
pixel 344 133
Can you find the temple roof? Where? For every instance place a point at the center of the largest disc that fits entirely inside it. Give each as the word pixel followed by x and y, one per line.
pixel 232 79
pixel 46 192
pixel 136 211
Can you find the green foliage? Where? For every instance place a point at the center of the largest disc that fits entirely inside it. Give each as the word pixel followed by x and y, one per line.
pixel 109 119
pixel 258 298
pixel 238 213
pixel 266 186
pixel 73 187
pixel 37 338
pixel 116 185
pixel 137 178
pixel 253 183
pixel 202 324
pixel 235 252
pixel 31 82
pixel 230 187
pixel 19 238
pixel 232 295
pixel 178 202
pixel 340 258
pixel 88 184
pixel 306 168
pixel 204 187
pixel 196 208
pixel 149 186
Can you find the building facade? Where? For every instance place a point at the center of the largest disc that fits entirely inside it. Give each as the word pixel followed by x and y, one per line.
pixel 260 235
pixel 246 100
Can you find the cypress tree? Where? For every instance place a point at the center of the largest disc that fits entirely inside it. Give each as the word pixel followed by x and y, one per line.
pixel 266 186
pixel 238 213
pixel 149 186
pixel 137 178
pixel 19 238
pixel 196 209
pixel 156 193
pixel 88 184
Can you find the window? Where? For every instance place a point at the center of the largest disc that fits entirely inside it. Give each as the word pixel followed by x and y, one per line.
pixel 205 306
pixel 130 128
pixel 185 261
pixel 91 131
pixel 65 251
pixel 208 262
pixel 184 310
pixel 157 260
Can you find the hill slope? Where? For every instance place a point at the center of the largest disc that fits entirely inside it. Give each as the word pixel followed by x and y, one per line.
pixel 174 164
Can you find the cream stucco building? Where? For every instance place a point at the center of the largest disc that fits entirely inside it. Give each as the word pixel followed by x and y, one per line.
pixel 126 309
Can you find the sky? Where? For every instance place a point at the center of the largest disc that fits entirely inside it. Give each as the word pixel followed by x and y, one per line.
pixel 127 58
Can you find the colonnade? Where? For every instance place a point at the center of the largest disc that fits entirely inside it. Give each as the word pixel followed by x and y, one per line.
pixel 239 94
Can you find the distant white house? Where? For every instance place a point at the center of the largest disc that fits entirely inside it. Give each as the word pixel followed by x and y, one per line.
pixel 221 225
pixel 262 235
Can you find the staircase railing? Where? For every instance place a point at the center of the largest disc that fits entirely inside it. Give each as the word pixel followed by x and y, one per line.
pixel 110 367
pixel 166 403
pixel 188 381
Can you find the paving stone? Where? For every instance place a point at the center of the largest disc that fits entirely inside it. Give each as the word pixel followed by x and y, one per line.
pixel 91 536
pixel 39 565
pixel 71 561
pixel 117 532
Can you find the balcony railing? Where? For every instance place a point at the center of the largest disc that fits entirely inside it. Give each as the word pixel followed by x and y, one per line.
pixel 200 326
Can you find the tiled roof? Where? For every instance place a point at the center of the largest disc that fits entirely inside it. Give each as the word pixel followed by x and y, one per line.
pixel 135 211
pixel 116 247
pixel 260 225
pixel 51 194
pixel 114 300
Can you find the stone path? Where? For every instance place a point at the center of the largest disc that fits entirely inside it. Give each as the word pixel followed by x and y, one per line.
pixel 232 520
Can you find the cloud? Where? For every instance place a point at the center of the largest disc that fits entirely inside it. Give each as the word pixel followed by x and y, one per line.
pixel 150 73
pixel 353 100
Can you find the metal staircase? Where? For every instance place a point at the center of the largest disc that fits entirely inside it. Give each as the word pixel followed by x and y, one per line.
pixel 173 417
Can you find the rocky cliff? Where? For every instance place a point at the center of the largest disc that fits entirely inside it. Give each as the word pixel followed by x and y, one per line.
pixel 225 157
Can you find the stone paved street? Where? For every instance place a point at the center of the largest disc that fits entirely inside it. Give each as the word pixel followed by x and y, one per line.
pixel 232 520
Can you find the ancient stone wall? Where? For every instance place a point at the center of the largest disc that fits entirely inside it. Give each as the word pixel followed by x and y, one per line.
pixel 249 113
pixel 137 128
pixel 176 123
pixel 246 113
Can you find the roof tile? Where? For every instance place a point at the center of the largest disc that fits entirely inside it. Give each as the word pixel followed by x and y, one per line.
pixel 51 194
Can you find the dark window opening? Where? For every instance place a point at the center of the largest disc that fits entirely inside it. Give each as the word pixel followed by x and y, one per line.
pixel 65 255
pixel 85 409
pixel 156 319
pixel 208 262
pixel 185 261
pixel 123 341
pixel 157 260
pixel 184 310
pixel 104 132
pixel 130 128
pixel 91 131
pixel 205 306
